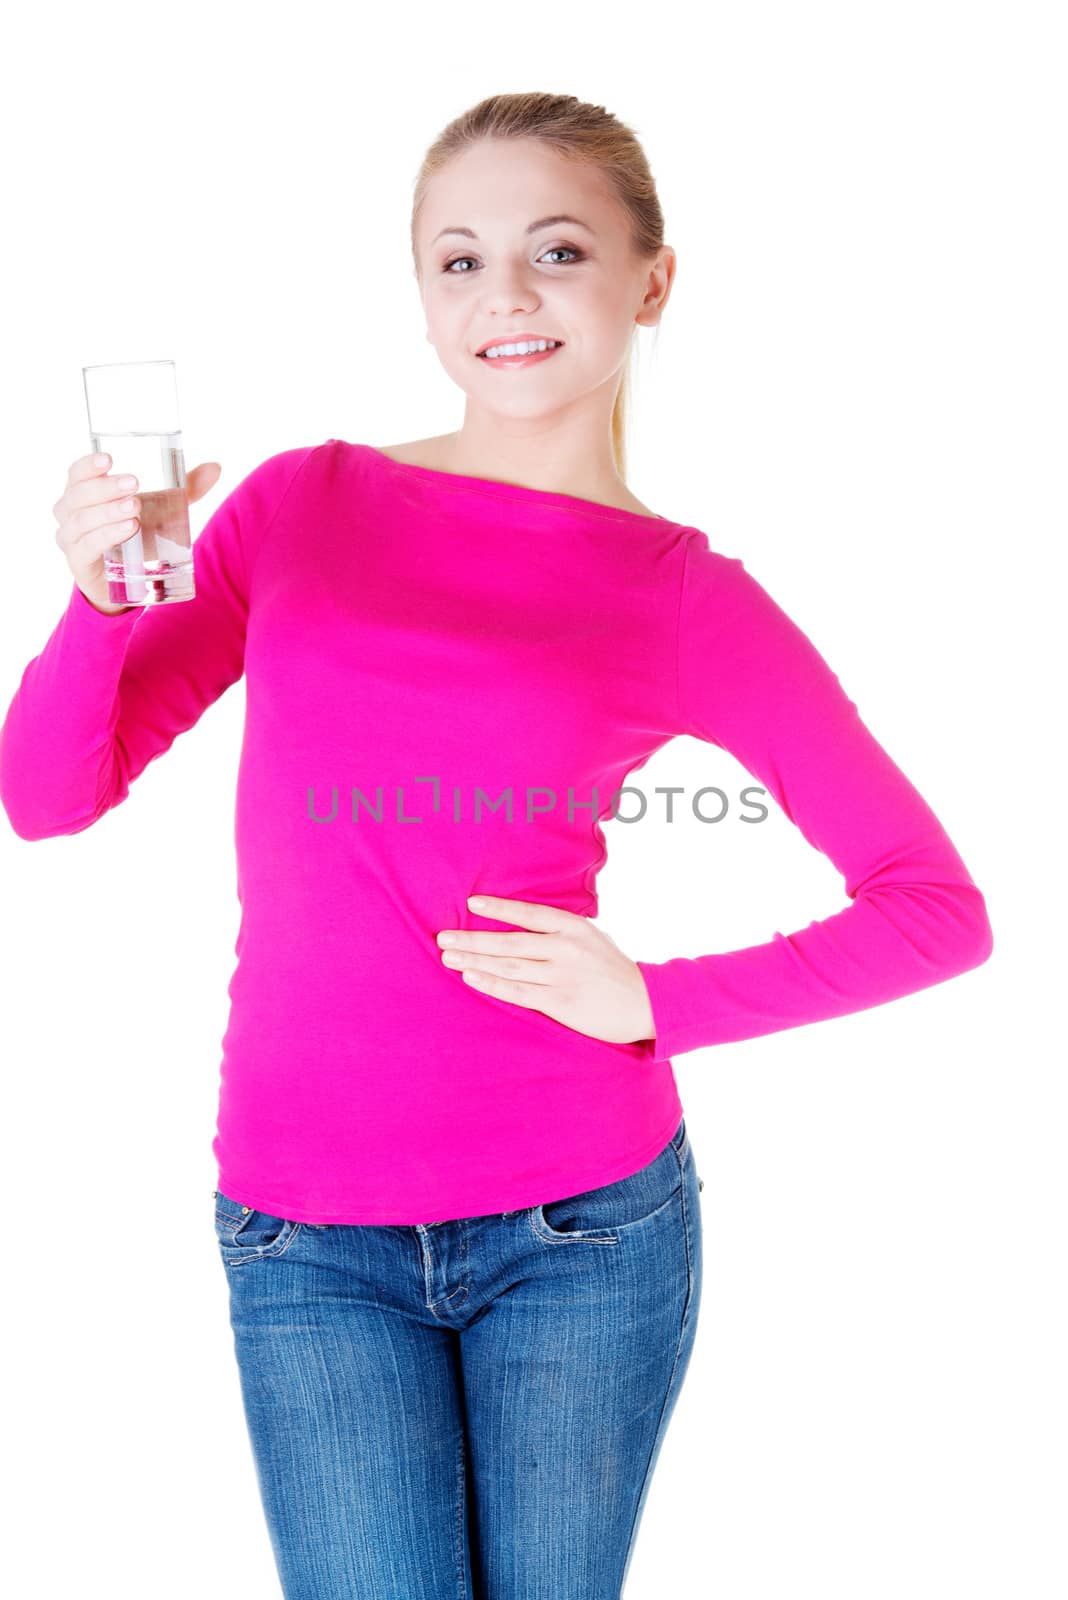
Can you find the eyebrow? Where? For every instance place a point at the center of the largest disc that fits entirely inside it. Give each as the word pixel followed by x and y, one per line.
pixel 535 227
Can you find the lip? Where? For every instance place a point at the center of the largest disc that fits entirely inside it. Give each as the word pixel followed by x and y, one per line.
pixel 516 363
pixel 514 338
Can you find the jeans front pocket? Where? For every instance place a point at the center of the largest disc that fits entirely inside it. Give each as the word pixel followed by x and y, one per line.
pixel 244 1234
pixel 607 1214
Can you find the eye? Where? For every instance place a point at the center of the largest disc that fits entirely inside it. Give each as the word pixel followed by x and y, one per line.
pixel 555 250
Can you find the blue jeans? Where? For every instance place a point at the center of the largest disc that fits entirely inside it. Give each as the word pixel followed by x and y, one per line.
pixel 471 1409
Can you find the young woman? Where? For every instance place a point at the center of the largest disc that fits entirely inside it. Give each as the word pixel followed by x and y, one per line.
pixel 457 1203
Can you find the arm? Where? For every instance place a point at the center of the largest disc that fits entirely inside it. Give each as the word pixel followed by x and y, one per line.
pixel 751 682
pixel 110 692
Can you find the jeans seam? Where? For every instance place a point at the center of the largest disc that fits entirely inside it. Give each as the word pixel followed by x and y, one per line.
pixel 674 1368
pixel 462 1289
pixel 461 1576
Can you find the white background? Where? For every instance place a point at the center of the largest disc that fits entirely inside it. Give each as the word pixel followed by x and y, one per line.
pixel 859 388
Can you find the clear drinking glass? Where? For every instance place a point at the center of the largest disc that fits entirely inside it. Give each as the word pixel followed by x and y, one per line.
pixel 133 415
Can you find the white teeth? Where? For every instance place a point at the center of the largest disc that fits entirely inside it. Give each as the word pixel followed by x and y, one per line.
pixel 525 347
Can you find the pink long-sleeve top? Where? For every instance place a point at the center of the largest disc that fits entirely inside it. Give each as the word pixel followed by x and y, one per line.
pixel 416 646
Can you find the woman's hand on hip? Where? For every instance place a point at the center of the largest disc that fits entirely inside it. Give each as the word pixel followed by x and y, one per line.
pixel 560 964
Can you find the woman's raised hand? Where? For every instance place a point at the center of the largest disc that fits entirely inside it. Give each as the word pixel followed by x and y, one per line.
pixel 97 511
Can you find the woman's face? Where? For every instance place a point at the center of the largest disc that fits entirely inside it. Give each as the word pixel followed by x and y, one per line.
pixel 581 285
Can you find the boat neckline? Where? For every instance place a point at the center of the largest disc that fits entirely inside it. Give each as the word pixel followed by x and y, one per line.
pixel 515 491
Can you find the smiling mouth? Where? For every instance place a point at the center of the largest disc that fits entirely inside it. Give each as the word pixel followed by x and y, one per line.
pixel 516 363
pixel 558 344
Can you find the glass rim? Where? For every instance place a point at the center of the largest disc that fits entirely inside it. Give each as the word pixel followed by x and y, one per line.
pixel 100 365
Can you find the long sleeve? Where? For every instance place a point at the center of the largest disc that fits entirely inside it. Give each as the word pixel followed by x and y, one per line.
pixel 111 692
pixel 752 683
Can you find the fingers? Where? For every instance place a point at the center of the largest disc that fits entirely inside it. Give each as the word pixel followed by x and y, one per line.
pixel 98 501
pixel 95 499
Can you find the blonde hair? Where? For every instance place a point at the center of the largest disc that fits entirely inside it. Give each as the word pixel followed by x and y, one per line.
pixel 578 131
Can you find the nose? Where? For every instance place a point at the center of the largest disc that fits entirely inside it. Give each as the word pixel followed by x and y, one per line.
pixel 508 295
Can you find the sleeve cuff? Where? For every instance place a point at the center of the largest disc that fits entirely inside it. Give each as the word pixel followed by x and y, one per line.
pixel 80 605
pixel 660 1046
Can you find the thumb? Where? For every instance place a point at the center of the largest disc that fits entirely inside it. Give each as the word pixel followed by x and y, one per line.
pixel 202 478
